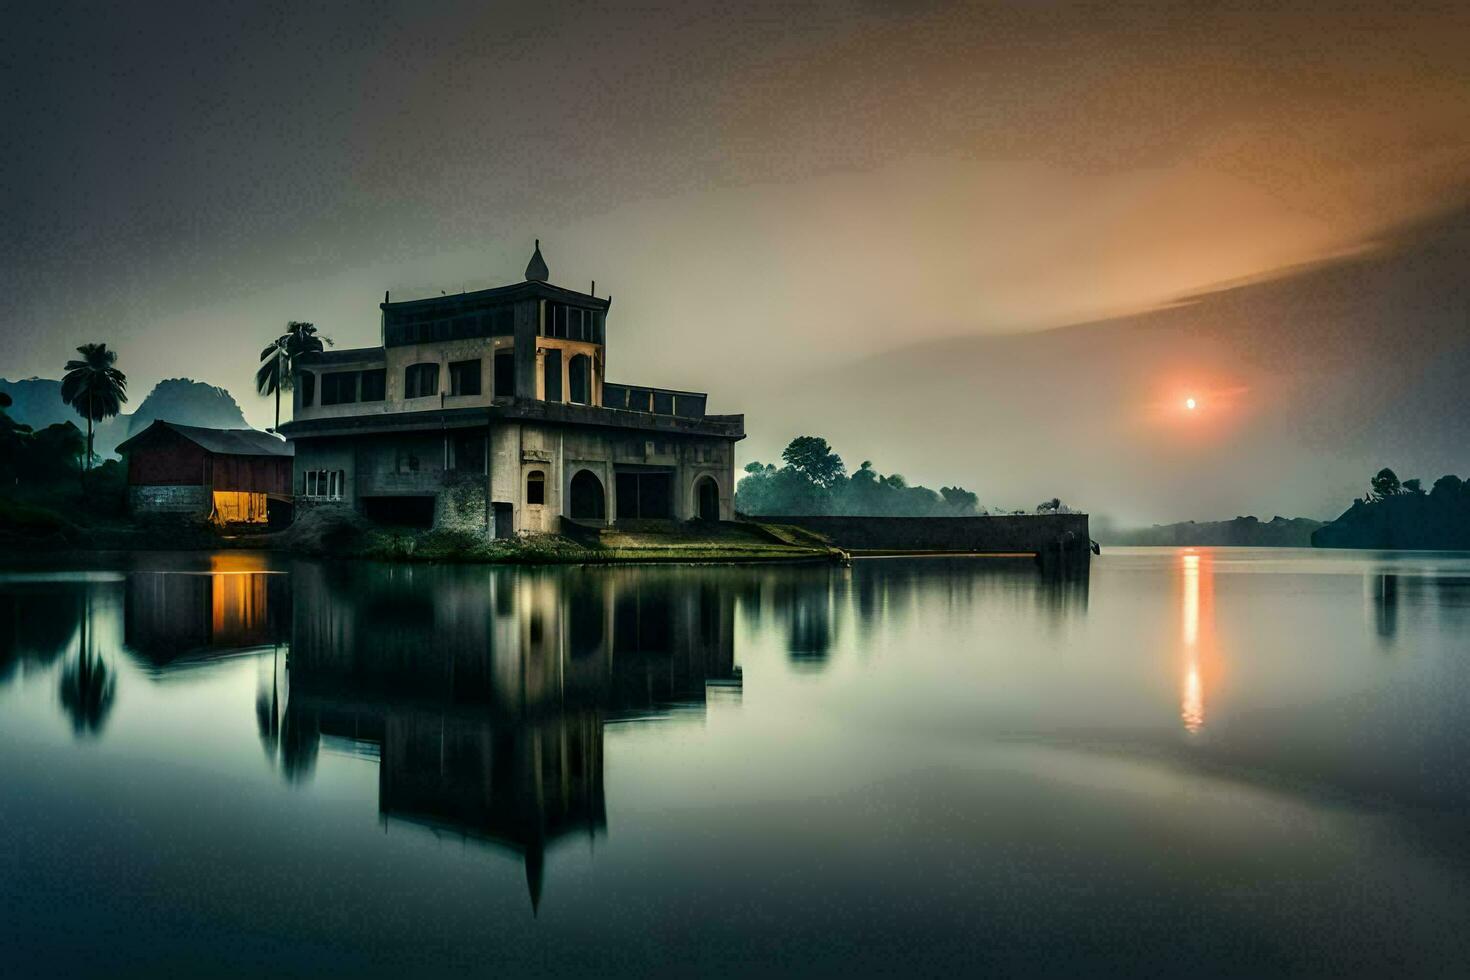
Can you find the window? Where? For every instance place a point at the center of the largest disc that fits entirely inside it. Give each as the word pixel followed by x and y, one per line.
pixel 339 388
pixel 553 375
pixel 505 373
pixel 663 403
pixel 325 484
pixel 374 385
pixel 420 380
pixel 579 374
pixel 308 388
pixel 464 378
pixel 468 452
pixel 536 487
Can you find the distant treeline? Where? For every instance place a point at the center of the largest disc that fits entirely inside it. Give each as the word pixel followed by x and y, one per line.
pixel 1396 514
pixel 814 480
pixel 1242 532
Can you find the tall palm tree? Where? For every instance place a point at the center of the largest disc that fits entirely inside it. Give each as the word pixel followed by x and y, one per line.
pixel 94 387
pixel 87 686
pixel 278 361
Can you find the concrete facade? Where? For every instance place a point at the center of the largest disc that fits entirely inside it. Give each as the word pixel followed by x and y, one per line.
pixel 489 412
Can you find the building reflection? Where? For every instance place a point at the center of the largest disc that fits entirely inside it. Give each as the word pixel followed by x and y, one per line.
pixel 236 605
pixel 1197 615
pixel 485 693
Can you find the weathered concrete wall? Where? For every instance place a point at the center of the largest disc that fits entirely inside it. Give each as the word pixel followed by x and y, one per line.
pixel 461 504
pixel 192 503
pixel 1034 534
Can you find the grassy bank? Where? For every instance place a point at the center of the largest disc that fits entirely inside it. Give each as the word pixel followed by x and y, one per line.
pixel 27 527
pixel 687 544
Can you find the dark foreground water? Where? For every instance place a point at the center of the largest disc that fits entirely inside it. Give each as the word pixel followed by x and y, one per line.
pixel 1196 763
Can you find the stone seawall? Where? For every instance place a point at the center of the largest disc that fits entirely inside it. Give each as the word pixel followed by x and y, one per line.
pixel 1039 534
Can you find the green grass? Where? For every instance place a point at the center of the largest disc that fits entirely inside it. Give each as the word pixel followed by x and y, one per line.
pixel 710 544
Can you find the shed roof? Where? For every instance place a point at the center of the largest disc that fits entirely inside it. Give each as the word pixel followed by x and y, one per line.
pixel 224 442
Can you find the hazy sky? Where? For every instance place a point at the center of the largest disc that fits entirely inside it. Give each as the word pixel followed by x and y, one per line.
pixel 765 188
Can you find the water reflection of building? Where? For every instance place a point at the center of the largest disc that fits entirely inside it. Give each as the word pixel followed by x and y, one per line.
pixel 485 692
pixel 236 605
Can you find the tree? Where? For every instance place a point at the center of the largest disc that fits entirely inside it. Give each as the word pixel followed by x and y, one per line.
pixel 94 387
pixel 1446 488
pixel 1384 484
pixel 87 686
pixel 1414 487
pixel 278 361
pixel 812 458
pixel 960 501
pixel 14 440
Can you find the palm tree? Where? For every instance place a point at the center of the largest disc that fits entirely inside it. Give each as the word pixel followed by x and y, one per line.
pixel 88 686
pixel 94 387
pixel 278 361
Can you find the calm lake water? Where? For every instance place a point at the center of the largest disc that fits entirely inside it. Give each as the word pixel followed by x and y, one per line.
pixel 1198 762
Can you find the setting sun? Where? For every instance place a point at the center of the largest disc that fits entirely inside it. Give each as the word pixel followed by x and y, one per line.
pixel 1190 404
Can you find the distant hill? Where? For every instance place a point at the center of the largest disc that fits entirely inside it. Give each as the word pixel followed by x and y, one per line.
pixel 1412 519
pixel 38 404
pixel 1242 532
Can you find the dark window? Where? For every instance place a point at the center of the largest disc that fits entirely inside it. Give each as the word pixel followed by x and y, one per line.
pixel 339 388
pixel 308 388
pixel 553 375
pixel 645 494
pixel 579 376
pixel 536 487
pixel 597 329
pixel 663 403
pixel 468 450
pixel 464 378
pixel 403 511
pixel 505 373
pixel 374 385
pixel 420 380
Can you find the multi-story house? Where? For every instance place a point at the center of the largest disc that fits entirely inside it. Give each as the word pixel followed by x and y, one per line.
pixel 490 411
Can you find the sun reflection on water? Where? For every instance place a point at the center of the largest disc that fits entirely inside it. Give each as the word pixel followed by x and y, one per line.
pixel 1196 612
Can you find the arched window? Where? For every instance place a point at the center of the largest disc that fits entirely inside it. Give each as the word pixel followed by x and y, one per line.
pixel 579 378
pixel 536 487
pixel 588 502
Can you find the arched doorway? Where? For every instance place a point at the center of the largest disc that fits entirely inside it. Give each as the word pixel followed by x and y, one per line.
pixel 707 499
pixel 588 503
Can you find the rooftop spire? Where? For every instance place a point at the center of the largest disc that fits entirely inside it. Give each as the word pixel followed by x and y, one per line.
pixel 536 270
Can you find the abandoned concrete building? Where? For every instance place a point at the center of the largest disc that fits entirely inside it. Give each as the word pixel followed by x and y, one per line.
pixel 489 412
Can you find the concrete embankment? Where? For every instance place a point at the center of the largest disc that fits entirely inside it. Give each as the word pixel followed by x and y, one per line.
pixel 1046 536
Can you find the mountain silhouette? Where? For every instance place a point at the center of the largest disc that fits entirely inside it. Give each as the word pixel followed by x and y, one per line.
pixel 38 404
